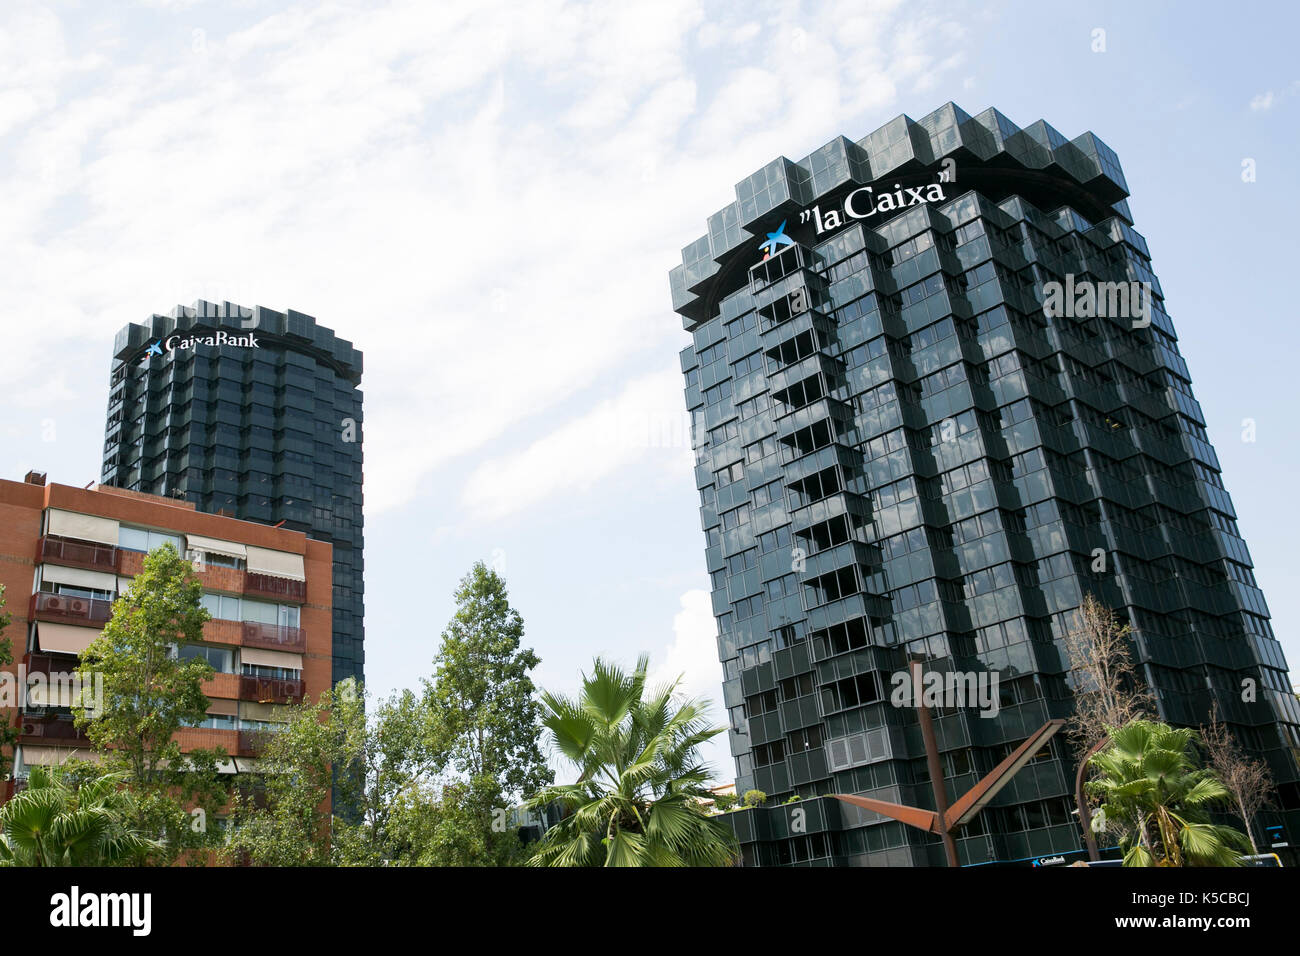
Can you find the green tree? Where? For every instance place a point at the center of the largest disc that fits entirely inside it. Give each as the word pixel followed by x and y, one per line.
pixel 1147 779
pixel 637 798
pixel 723 802
pixel 393 765
pixel 277 816
pixel 148 695
pixel 55 822
pixel 409 814
pixel 440 823
pixel 1108 691
pixel 431 774
pixel 484 723
pixel 8 729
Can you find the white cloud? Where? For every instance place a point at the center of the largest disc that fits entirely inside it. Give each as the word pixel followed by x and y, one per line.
pixel 693 654
pixel 33 59
pixel 485 200
pixel 640 426
pixel 1263 102
pixel 717 33
pixel 746 102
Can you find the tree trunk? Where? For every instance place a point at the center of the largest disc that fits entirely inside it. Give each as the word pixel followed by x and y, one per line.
pixel 1085 816
pixel 1250 831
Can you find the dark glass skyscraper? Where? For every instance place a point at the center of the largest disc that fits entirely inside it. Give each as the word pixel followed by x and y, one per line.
pixel 252 413
pixel 937 401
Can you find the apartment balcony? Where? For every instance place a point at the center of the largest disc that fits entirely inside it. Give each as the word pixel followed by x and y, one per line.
pixel 225 686
pixel 79 554
pixel 214 578
pixel 251 743
pixel 269 690
pixel 220 631
pixel 206 738
pixel 251 791
pixel 50 664
pixel 48 724
pixel 130 563
pixel 67 609
pixel 229 580
pixel 274 637
pixel 280 589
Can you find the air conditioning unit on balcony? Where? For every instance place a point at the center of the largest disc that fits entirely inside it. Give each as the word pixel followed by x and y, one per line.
pixel 54 604
pixel 77 606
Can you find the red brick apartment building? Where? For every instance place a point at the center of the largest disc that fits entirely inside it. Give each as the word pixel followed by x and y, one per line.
pixel 66 553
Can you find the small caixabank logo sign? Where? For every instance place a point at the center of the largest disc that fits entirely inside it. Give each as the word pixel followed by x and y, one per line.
pixel 775 240
pixel 184 343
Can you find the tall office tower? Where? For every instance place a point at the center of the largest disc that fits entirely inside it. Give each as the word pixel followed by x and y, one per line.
pixel 901 453
pixel 251 413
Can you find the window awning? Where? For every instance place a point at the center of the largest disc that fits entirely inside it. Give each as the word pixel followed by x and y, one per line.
pixel 64 638
pixel 228 708
pixel 280 564
pixel 230 549
pixel 223 766
pixel 78 577
pixel 252 710
pixel 29 756
pixel 70 524
pixel 261 658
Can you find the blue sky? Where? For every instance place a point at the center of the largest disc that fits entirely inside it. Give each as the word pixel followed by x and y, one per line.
pixel 487 202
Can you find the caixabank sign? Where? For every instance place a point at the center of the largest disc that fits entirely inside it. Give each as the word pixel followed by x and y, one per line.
pixel 184 343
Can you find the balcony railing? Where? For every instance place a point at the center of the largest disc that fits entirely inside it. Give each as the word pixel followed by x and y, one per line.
pixel 85 554
pixel 48 725
pixel 267 585
pixel 47 664
pixel 251 742
pixel 269 690
pixel 11 788
pixel 252 791
pixel 274 637
pixel 74 610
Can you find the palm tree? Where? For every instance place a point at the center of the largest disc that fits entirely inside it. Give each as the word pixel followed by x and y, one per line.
pixel 56 823
pixel 637 798
pixel 1149 783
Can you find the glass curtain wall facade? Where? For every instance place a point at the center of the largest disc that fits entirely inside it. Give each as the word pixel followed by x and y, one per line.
pixel 902 452
pixel 267 432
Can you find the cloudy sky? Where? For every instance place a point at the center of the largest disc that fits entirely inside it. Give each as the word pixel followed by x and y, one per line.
pixel 487 198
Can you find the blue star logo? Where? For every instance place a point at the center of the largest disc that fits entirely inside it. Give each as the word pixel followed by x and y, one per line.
pixel 775 240
pixel 155 349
